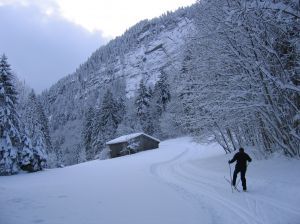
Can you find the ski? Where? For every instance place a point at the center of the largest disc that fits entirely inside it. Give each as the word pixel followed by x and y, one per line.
pixel 231 184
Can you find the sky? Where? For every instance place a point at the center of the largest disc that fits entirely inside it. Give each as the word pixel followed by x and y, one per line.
pixel 46 40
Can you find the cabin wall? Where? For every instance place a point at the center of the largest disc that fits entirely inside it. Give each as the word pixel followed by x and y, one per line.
pixel 115 149
pixel 143 143
pixel 147 143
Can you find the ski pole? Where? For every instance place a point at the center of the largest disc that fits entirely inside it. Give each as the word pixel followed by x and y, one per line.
pixel 230 178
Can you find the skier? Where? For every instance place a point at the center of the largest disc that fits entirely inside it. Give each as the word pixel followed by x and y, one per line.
pixel 241 159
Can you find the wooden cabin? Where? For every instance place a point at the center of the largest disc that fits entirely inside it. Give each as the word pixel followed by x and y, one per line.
pixel 132 143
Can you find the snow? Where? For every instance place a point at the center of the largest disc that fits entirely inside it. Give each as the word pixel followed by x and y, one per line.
pixel 125 138
pixel 181 182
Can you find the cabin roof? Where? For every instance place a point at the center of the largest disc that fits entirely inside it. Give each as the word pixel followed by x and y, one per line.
pixel 126 138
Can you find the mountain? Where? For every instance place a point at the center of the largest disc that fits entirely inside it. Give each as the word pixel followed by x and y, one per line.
pixel 142 52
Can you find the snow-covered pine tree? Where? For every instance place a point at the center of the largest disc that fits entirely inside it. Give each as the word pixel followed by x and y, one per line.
pixel 159 99
pixel 88 132
pixel 142 101
pixel 142 104
pixel 36 125
pixel 162 95
pixel 106 123
pixel 96 138
pixel 10 137
pixel 44 122
pixel 169 123
pixel 39 154
pixel 32 158
pixel 26 155
pixel 121 108
pixel 130 122
pixel 110 117
pixel 58 158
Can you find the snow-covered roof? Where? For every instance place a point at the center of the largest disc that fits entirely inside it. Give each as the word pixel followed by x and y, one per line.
pixel 125 138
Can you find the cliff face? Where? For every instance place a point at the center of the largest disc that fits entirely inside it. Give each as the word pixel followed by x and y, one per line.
pixel 142 52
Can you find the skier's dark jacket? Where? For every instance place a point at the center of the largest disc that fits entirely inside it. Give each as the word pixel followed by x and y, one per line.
pixel 241 159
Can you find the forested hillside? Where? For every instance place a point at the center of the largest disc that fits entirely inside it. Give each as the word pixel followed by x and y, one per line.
pixel 146 58
pixel 225 71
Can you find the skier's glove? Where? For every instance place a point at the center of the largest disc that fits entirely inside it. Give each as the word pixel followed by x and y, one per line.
pixel 229 161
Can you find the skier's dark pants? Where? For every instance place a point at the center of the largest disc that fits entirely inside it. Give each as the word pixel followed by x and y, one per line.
pixel 243 178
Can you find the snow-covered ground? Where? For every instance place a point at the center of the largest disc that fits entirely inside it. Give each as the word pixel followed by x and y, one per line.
pixel 181 182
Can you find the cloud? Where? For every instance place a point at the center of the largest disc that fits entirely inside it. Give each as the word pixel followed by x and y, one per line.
pixel 40 44
pixel 113 17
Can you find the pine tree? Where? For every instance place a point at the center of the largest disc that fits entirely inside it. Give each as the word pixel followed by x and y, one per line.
pixel 32 158
pixel 106 122
pixel 130 122
pixel 10 138
pixel 162 92
pixel 39 154
pixel 142 103
pixel 88 132
pixel 160 98
pixel 36 122
pixel 36 127
pixel 26 155
pixel 110 117
pixel 44 122
pixel 121 109
pixel 16 148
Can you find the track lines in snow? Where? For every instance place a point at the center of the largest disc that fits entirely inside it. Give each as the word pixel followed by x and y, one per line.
pixel 207 189
pixel 260 198
pixel 157 170
pixel 166 173
pixel 210 191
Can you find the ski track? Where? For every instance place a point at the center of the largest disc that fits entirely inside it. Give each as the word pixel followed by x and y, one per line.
pixel 157 171
pixel 261 199
pixel 206 191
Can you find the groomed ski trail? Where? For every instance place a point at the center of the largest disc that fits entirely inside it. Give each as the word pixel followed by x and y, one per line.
pixel 207 190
